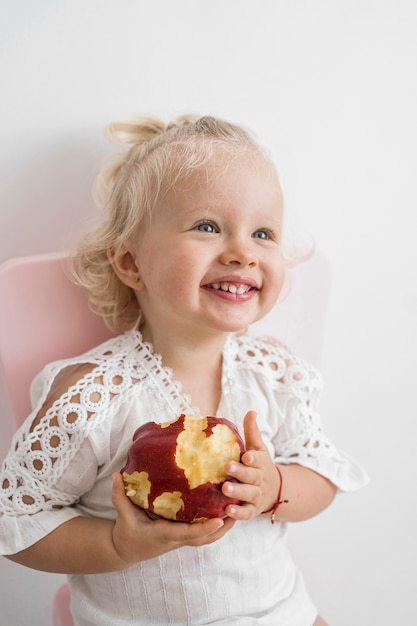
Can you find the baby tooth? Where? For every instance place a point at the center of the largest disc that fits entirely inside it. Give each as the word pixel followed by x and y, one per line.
pixel 230 287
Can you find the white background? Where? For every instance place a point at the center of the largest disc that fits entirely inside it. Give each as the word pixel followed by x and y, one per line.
pixel 330 87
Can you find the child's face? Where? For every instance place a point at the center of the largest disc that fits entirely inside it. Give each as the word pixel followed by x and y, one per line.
pixel 211 259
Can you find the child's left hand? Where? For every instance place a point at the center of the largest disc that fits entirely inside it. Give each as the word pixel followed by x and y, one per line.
pixel 258 479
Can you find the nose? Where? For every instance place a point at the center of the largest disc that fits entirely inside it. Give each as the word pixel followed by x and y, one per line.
pixel 239 254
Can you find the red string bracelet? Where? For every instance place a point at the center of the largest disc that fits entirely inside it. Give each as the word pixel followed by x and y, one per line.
pixel 279 501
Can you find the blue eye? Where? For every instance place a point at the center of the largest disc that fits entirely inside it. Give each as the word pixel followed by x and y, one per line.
pixel 206 227
pixel 262 234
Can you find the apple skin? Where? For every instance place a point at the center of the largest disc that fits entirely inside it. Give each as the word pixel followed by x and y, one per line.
pixel 176 470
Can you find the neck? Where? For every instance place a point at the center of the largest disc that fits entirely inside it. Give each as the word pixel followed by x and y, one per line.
pixel 196 363
pixel 178 350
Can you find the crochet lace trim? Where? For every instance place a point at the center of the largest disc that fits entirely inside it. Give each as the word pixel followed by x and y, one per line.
pixel 301 437
pixel 41 451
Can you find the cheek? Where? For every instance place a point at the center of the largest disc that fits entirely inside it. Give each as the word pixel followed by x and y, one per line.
pixel 280 277
pixel 181 272
pixel 169 281
pixel 276 280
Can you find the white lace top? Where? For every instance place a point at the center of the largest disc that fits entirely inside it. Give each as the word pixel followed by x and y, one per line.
pixel 62 468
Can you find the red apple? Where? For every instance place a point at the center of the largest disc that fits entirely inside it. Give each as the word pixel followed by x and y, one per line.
pixel 176 469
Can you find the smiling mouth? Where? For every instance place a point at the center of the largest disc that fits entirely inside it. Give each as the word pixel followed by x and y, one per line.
pixel 237 288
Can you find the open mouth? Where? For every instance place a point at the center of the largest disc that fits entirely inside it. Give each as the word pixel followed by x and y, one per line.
pixel 236 288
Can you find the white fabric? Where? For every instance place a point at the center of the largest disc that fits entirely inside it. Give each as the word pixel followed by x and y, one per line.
pixel 247 577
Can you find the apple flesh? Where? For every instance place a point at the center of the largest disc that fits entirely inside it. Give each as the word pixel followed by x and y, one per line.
pixel 176 470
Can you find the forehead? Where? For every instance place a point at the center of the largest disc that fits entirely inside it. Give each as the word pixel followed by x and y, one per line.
pixel 245 176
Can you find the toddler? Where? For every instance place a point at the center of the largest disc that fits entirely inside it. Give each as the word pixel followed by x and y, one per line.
pixel 188 255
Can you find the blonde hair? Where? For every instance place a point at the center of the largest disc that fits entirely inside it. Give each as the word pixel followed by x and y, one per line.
pixel 158 155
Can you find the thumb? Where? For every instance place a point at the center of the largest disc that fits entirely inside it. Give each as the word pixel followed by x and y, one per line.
pixel 118 495
pixel 253 437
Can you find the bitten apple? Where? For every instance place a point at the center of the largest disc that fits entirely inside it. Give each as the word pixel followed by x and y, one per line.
pixel 176 469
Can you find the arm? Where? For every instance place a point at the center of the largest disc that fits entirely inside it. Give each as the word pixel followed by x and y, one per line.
pixel 84 544
pixel 90 546
pixel 307 492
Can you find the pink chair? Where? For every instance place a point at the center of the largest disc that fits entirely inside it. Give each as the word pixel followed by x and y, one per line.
pixel 43 317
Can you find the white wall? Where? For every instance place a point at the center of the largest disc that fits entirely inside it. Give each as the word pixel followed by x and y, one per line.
pixel 330 86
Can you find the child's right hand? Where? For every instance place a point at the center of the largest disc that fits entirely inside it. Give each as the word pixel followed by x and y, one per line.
pixel 136 537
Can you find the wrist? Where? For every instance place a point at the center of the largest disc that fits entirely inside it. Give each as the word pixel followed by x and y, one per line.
pixel 279 500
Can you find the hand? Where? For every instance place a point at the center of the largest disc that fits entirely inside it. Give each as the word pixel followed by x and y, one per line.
pixel 136 537
pixel 258 479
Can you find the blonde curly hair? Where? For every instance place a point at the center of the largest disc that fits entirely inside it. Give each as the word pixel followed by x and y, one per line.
pixel 158 155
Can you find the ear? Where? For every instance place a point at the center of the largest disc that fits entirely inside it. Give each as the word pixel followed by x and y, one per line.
pixel 125 267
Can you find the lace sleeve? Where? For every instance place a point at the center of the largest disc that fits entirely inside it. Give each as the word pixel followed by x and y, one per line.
pixel 301 438
pixel 43 448
pixel 296 388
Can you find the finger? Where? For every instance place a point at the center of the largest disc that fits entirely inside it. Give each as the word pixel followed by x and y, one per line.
pixel 120 501
pixel 192 534
pixel 204 529
pixel 248 471
pixel 118 489
pixel 214 536
pixel 253 437
pixel 240 512
pixel 245 493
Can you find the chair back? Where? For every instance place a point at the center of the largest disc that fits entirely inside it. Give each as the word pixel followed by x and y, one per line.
pixel 43 317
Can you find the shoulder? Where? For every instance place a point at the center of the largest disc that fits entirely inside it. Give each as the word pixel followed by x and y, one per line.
pixel 270 358
pixel 111 366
